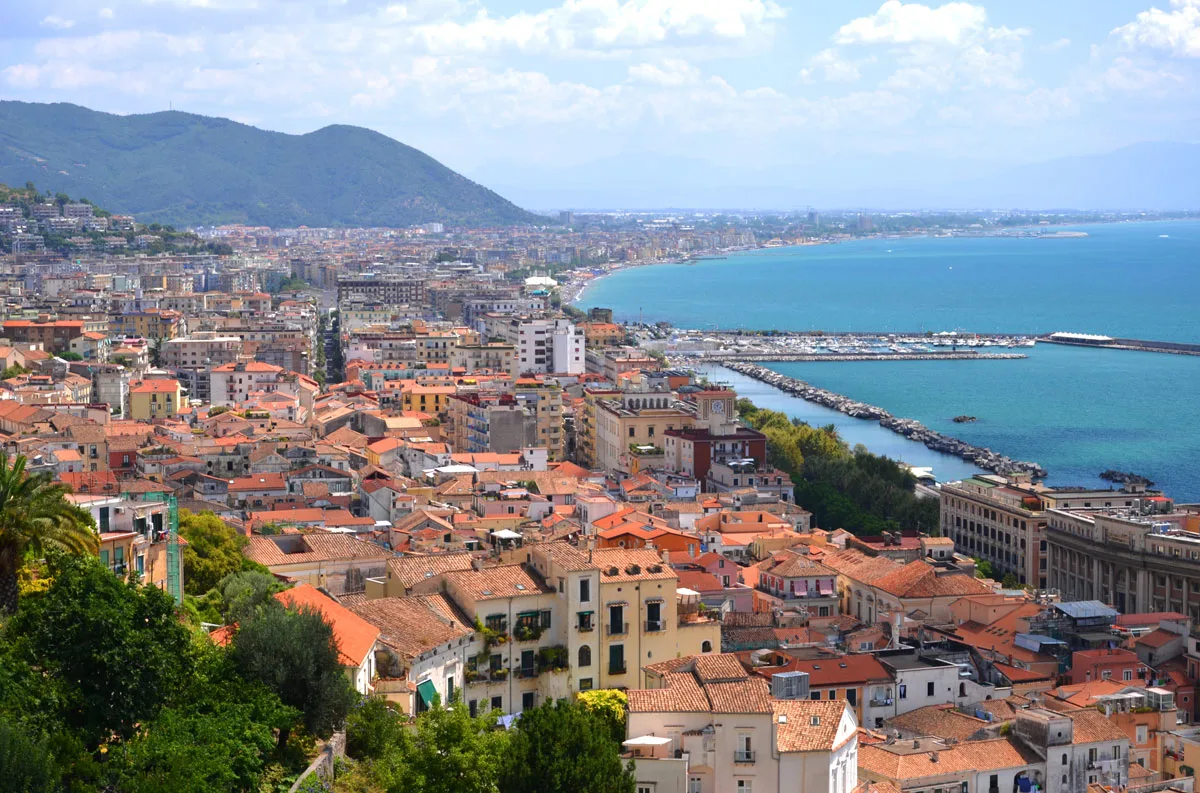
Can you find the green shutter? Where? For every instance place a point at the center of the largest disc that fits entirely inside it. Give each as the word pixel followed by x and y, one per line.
pixel 427 691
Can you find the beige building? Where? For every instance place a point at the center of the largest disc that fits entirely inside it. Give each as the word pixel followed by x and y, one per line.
pixel 493 357
pixel 706 726
pixel 631 425
pixel 339 563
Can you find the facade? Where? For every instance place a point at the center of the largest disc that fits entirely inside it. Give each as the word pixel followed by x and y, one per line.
pixel 1138 559
pixel 154 399
pixel 705 726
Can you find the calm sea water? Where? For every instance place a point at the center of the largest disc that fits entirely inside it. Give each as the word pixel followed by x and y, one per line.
pixel 1121 280
pixel 1075 411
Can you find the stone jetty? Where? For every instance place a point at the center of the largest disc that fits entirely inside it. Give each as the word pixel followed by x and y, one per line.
pixel 909 428
pixel 806 357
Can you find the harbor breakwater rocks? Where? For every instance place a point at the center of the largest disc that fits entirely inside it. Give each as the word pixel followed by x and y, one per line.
pixel 909 428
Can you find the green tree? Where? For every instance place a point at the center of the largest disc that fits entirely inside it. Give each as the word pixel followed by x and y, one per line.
pixel 984 569
pixel 213 551
pixel 27 764
pixel 373 729
pixel 36 517
pixel 449 752
pixel 156 352
pixel 564 746
pixel 234 721
pixel 69 355
pixel 610 706
pixel 16 370
pixel 116 649
pixel 294 654
pixel 243 593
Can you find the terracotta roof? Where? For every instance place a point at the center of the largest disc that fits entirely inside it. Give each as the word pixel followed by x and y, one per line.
pixel 1157 638
pixel 258 482
pixel 974 756
pixel 940 720
pixel 680 694
pixel 315 547
pixel 155 387
pixel 622 564
pixel 1091 726
pixel 752 695
pixel 919 579
pixel 835 671
pixel 413 625
pixel 798 733
pixel 790 564
pixel 719 668
pixel 412 570
pixel 355 636
pixel 505 581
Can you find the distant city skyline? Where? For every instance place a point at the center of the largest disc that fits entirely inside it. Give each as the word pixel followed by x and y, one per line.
pixel 605 102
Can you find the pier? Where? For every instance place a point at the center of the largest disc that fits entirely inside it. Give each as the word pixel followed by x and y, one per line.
pixel 909 428
pixel 782 357
pixel 1111 343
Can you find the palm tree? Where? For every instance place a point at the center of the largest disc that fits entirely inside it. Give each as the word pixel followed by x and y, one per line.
pixel 35 517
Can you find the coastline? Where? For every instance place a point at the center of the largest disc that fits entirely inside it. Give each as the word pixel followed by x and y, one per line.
pixel 909 428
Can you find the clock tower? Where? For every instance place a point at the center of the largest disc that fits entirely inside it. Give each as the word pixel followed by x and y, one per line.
pixel 715 410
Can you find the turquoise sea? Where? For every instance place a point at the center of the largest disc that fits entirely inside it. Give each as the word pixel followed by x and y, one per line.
pixel 1075 411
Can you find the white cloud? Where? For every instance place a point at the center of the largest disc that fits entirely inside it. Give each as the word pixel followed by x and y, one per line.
pixel 58 23
pixel 105 13
pixel 1055 46
pixel 906 23
pixel 605 26
pixel 670 73
pixel 1176 32
pixel 830 65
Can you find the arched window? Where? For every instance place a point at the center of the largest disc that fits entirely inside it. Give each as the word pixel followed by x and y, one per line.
pixel 962 689
pixel 706 647
pixel 585 656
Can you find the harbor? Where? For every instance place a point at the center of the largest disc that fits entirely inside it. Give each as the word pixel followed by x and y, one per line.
pixel 911 429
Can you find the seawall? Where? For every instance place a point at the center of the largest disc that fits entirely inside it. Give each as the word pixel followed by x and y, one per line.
pixel 909 428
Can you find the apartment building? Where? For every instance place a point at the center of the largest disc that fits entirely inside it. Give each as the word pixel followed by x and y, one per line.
pixel 1002 520
pixel 135 538
pixel 544 401
pixel 489 422
pixel 1145 557
pixel 232 383
pixel 155 399
pixel 490 357
pixel 704 725
pixel 386 289
pixel 714 437
pixel 630 428
pixel 201 349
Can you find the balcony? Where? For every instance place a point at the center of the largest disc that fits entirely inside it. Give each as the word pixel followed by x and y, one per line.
pixel 617 668
pixel 474 677
pixel 527 633
pixel 525 672
pixel 881 702
pixel 744 756
pixel 618 628
pixel 654 626
pixel 586 626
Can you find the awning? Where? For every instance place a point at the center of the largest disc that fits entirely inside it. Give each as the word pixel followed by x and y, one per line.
pixel 646 740
pixel 825 587
pixel 426 691
pixel 506 534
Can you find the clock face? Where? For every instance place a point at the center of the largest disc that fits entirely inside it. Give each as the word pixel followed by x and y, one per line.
pixel 718 407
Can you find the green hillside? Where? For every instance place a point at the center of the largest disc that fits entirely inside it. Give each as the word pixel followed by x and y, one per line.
pixel 183 169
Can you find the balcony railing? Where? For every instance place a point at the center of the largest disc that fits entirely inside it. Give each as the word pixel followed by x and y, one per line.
pixel 586 626
pixel 653 626
pixel 617 669
pixel 525 672
pixel 879 702
pixel 618 628
pixel 743 756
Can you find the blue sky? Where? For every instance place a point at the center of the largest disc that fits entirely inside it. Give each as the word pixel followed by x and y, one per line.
pixel 621 94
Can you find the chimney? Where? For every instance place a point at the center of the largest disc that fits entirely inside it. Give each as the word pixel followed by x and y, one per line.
pixel 916 743
pixel 666 556
pixel 477 563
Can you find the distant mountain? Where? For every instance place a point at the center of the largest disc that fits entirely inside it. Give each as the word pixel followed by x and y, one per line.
pixel 185 169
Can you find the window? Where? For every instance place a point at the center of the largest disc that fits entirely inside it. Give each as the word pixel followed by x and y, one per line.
pixel 833 693
pixel 814 695
pixel 1141 733
pixel 1127 674
pixel 527 700
pixel 616 659
pixel 585 684
pixel 903 691
pixel 695 784
pixel 745 786
pixel 585 656
pixel 929 689
pixel 473 708
pixel 585 590
pixel 645 788
pixel 706 646
pixel 852 697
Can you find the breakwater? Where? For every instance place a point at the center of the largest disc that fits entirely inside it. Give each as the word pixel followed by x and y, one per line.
pixel 909 428
pixel 797 357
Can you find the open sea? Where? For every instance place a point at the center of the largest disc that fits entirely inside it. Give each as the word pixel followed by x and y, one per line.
pixel 1075 411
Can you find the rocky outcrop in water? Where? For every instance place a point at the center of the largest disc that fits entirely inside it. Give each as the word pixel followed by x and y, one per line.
pixel 909 428
pixel 964 419
pixel 1125 478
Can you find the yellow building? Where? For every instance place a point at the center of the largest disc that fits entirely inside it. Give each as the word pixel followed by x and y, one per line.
pixel 622 612
pixel 429 399
pixel 154 399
